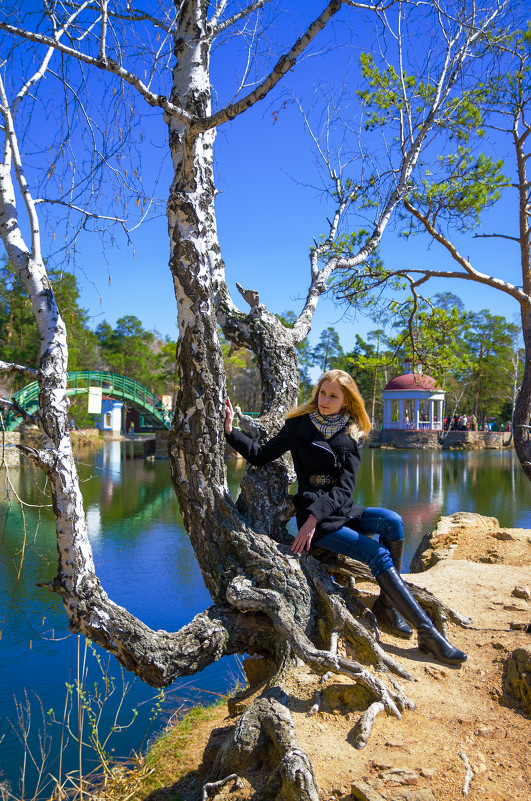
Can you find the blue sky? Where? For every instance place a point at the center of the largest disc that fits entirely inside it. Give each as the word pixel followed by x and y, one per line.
pixel 269 210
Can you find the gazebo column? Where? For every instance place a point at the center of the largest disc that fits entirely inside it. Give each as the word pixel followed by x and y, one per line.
pixel 431 414
pixel 417 413
pixel 400 413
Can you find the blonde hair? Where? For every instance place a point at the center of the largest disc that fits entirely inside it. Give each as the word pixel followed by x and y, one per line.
pixel 353 403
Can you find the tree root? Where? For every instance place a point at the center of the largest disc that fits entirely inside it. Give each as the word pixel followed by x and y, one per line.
pixel 245 597
pixel 267 728
pixel 211 788
pixel 469 773
pixel 331 597
pixel 362 730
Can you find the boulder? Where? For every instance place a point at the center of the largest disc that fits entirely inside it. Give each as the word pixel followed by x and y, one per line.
pixel 517 679
pixel 440 544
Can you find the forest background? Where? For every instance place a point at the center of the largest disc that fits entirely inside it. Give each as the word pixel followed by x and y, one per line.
pixel 475 356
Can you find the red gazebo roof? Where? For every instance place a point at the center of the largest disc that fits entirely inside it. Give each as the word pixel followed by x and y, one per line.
pixel 413 381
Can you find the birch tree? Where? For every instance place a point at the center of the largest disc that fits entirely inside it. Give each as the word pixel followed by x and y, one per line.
pixel 265 601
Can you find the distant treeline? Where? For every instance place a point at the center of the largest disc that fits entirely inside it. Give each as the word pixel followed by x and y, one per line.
pixel 475 356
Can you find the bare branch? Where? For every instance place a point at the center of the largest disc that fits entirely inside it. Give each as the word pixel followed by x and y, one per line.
pixel 470 272
pixel 283 65
pixel 107 64
pixel 221 26
pixel 18 410
pixel 11 367
pixel 497 236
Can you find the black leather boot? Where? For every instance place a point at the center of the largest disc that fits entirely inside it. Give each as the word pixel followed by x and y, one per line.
pixel 382 608
pixel 430 640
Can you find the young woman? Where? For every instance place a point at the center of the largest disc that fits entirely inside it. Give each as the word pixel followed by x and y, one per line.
pixel 325 437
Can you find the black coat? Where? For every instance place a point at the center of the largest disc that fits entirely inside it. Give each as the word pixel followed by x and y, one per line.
pixel 313 455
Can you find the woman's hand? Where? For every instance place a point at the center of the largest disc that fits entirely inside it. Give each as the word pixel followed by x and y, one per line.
pixel 229 416
pixel 303 540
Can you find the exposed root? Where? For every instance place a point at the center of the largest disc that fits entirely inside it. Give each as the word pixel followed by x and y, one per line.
pixel 266 728
pixel 437 610
pixel 469 773
pixel 245 597
pixel 355 632
pixel 317 704
pixel 362 730
pixel 211 788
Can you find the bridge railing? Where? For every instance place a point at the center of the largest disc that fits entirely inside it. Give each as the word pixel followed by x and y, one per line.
pixel 110 383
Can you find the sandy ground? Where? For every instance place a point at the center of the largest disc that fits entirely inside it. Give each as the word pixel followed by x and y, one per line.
pixel 461 714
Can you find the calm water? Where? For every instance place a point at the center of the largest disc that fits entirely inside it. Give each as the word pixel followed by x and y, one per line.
pixel 145 562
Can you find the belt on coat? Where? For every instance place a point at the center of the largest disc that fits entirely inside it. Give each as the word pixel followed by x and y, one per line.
pixel 321 480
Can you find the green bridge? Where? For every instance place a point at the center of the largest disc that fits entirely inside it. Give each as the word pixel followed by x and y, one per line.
pixel 112 385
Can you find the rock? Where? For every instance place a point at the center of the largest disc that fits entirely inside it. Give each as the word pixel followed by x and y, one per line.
pixel 338 698
pixel 517 680
pixel 257 669
pixel 487 732
pixel 380 765
pixel 518 625
pixel 415 795
pixel 441 543
pixel 428 773
pixel 394 744
pixel 361 791
pixel 403 776
pixel 216 740
pixel 503 535
pixel 238 703
pixel 522 592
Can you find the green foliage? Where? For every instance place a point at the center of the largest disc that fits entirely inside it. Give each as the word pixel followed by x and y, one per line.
pixel 433 341
pixel 19 340
pixel 130 350
pixel 369 364
pixel 82 342
pixel 241 375
pixel 328 353
pixel 467 184
pixel 491 342
pixel 389 97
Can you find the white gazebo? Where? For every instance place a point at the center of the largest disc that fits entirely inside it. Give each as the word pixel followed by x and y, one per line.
pixel 413 401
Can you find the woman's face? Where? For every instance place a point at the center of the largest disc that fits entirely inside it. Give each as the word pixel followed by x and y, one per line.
pixel 330 398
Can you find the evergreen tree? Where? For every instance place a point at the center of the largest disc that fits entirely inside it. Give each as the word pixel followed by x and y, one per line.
pixel 128 349
pixel 328 353
pixel 83 350
pixel 491 343
pixel 369 364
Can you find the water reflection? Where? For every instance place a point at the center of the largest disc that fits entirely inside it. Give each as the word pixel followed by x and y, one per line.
pixel 145 562
pixel 422 485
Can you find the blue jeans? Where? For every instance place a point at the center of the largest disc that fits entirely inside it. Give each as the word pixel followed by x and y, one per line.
pixel 359 545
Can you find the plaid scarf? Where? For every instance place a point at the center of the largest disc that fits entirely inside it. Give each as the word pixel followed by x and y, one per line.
pixel 329 424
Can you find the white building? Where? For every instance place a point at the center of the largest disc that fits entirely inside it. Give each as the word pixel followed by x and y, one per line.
pixel 413 401
pixel 111 416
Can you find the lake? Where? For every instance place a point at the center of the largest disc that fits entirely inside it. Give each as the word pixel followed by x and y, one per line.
pixel 146 564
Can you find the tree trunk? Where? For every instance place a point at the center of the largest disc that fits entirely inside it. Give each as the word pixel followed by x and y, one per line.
pixel 522 410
